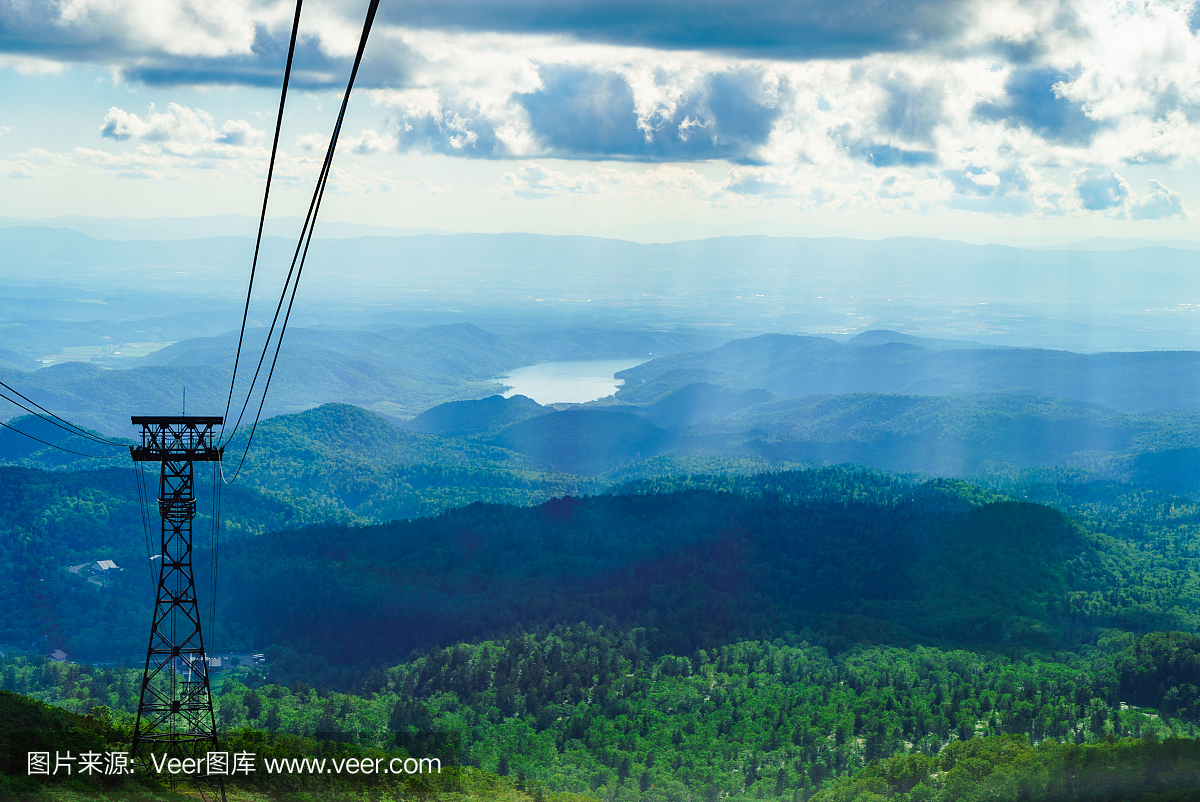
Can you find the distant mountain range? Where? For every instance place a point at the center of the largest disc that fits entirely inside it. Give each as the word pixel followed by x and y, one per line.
pixel 215 225
pixel 881 399
pixel 396 372
pixel 968 435
pixel 1112 244
pixel 885 400
pixel 793 366
pixel 1081 299
pixel 12 360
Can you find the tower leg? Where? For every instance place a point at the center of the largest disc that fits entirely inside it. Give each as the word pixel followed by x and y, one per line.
pixel 175 715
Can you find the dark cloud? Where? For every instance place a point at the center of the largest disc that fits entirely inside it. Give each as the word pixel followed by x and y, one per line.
pixel 584 114
pixel 797 29
pixel 1100 189
pixel 111 129
pixel 1031 102
pixel 207 73
pixel 580 113
pixel 911 112
pixel 1006 190
pixel 453 132
pixel 383 65
pixel 792 29
pixel 895 120
pixel 882 155
pixel 32 29
pixel 1024 51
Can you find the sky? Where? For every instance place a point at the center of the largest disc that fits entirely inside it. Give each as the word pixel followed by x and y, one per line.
pixel 1000 121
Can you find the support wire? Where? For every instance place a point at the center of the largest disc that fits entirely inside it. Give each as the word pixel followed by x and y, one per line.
pixel 78 431
pixel 301 254
pixel 143 492
pixel 262 219
pixel 54 445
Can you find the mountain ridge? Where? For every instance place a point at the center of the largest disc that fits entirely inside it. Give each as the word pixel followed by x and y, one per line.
pixel 794 366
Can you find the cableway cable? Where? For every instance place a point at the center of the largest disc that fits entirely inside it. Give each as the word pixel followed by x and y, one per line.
pixel 140 478
pixel 78 431
pixel 301 254
pixel 287 74
pixel 54 445
pixel 309 219
pixel 215 547
pixel 53 419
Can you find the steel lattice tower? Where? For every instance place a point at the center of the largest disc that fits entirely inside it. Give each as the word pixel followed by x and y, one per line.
pixel 175 715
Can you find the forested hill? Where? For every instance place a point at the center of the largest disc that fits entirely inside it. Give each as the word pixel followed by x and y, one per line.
pixel 853 556
pixel 792 366
pixel 515 450
pixel 952 435
pixel 342 458
pixel 481 568
pixel 971 435
pixel 753 636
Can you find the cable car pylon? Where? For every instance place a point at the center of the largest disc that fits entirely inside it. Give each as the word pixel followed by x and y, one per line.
pixel 175 716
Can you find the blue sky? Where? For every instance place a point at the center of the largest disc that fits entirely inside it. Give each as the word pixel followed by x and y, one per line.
pixel 658 119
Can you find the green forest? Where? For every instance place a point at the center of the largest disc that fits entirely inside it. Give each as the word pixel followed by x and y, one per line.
pixel 590 711
pixel 685 630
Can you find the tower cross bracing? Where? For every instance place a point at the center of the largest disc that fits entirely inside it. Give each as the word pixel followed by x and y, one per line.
pixel 175 712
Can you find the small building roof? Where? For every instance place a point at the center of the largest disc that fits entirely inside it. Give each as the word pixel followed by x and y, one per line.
pixel 106 565
pixel 58 655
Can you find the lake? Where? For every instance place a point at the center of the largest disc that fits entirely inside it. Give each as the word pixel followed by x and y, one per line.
pixel 567 382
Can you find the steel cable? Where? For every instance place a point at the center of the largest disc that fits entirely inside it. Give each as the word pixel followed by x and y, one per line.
pixel 77 431
pixel 54 445
pixel 262 219
pixel 143 492
pixel 301 254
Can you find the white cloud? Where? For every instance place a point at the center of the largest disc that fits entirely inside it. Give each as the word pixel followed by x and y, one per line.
pixel 177 123
pixel 18 169
pixel 367 143
pixel 181 131
pixel 759 182
pixel 1105 191
pixel 312 143
pixel 177 143
pixel 1120 84
pixel 1034 110
pixel 1159 202
pixel 26 65
pixel 239 133
pixel 209 29
pixel 535 181
pixel 182 143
